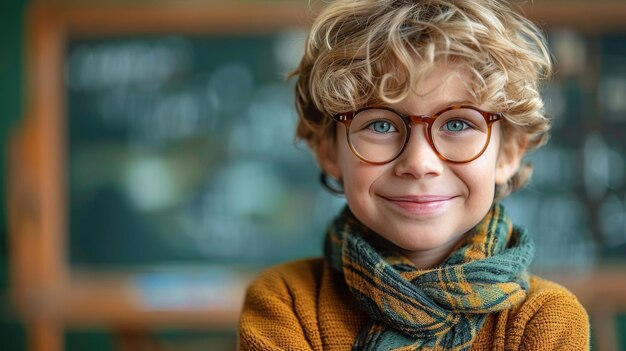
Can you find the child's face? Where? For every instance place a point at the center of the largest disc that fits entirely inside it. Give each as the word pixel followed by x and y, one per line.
pixel 419 202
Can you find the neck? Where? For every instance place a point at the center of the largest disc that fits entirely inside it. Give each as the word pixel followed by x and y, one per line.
pixel 429 259
pixel 425 260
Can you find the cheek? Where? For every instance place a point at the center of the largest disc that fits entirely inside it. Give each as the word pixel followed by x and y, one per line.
pixel 357 176
pixel 481 173
pixel 479 176
pixel 347 164
pixel 344 155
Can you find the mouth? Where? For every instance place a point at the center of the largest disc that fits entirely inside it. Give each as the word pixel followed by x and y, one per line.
pixel 421 199
pixel 420 205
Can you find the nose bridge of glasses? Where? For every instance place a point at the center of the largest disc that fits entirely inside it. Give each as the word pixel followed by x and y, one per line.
pixel 419 119
pixel 422 122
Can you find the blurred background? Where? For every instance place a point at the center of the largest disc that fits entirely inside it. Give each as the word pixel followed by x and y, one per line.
pixel 150 171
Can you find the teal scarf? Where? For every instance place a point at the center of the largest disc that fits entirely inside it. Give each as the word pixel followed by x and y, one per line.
pixel 437 309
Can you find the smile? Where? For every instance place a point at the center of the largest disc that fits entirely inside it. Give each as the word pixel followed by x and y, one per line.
pixel 422 205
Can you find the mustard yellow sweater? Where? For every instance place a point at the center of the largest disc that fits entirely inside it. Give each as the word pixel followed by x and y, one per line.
pixel 305 305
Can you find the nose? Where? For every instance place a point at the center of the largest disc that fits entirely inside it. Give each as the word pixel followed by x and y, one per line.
pixel 418 160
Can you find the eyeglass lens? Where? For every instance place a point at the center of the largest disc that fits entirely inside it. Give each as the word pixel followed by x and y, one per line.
pixel 379 135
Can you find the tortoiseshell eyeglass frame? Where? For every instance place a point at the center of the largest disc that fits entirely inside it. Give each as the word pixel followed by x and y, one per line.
pixel 490 117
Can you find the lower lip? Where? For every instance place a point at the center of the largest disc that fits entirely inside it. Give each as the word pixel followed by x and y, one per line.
pixel 429 208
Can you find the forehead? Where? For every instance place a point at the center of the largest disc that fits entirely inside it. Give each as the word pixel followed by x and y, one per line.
pixel 440 87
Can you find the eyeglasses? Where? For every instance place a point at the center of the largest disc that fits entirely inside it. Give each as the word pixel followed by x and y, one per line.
pixel 458 134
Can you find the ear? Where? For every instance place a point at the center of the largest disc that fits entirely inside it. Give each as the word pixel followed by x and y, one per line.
pixel 509 159
pixel 326 155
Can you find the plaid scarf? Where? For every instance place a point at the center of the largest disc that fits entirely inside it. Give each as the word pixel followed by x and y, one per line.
pixel 438 309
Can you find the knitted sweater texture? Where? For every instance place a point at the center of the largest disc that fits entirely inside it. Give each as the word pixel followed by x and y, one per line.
pixel 305 305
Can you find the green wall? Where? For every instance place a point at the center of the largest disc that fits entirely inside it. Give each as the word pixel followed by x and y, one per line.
pixel 11 108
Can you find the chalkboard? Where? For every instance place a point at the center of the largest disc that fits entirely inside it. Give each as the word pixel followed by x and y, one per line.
pixel 575 204
pixel 181 151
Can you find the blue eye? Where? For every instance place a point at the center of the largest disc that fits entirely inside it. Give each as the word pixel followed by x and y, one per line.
pixel 455 125
pixel 382 127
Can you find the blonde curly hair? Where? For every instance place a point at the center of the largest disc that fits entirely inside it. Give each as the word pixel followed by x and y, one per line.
pixel 363 52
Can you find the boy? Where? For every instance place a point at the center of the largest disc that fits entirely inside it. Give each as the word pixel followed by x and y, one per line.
pixel 421 112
